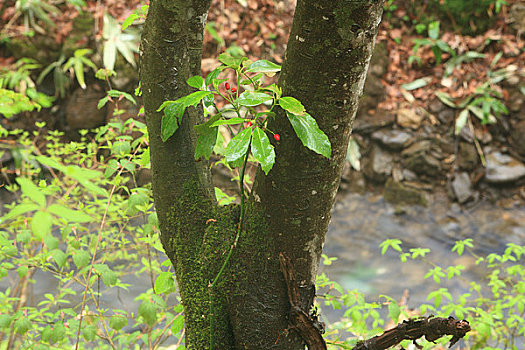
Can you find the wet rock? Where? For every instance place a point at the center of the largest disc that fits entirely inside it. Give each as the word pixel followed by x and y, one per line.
pixel 467 156
pixel 378 166
pixel 436 106
pixel 418 159
pixel 517 103
pixel 409 118
pixel 517 17
pixel 462 187
pixel 367 124
pixel 502 168
pixel 82 111
pixel 409 175
pixel 392 139
pixel 397 193
pixel 447 116
pixel 352 181
pixel 517 134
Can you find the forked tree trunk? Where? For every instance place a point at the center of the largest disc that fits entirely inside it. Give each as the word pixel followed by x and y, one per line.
pixel 289 209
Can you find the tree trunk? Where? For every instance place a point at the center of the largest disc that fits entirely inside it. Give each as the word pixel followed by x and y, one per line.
pixel 289 209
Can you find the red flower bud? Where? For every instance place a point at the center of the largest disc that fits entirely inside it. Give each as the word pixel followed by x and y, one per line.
pixel 277 137
pixel 234 89
pixel 249 124
pixel 227 86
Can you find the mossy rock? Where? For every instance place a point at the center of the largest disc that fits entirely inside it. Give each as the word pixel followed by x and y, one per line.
pixel 397 193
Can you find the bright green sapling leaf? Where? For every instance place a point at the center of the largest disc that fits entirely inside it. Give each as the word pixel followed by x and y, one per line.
pixel 81 258
pixel 213 75
pixel 109 277
pixel 117 322
pixel 195 82
pixel 309 133
pixel 231 121
pixel 32 191
pixel 171 119
pixel 59 257
pixel 250 99
pixel 263 66
pixel 19 210
pixel 238 146
pixel 41 224
pixel 206 138
pixel 291 105
pixel 148 311
pixel 174 110
pixel 164 283
pixel 262 150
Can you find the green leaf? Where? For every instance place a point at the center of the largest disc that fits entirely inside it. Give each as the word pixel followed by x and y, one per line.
pixel 5 321
pixel 461 121
pixel 229 60
pixel 206 139
pixel 110 54
pixel 248 98
pixel 230 121
pixel 394 311
pixel 19 210
pixel 32 191
pixel 194 98
pixel 81 258
pixel 121 148
pixel 445 98
pixel 89 332
pixel 309 133
pixel 178 324
pixel 291 105
pixel 164 283
pixel 223 198
pixel 109 277
pixel 41 224
pixel 416 84
pixel 148 311
pixel 69 214
pixel 59 257
pixel 172 118
pixel 433 30
pixel 238 146
pixel 195 82
pixel 213 75
pixel 262 150
pixel 129 20
pixel 51 242
pixel 50 162
pixel 117 322
pixel 22 271
pixel 22 325
pixel 263 66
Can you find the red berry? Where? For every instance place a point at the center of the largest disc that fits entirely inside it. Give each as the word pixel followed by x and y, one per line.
pixel 249 124
pixel 234 89
pixel 276 137
pixel 227 86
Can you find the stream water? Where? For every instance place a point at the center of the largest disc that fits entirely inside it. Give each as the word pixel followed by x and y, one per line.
pixel 361 222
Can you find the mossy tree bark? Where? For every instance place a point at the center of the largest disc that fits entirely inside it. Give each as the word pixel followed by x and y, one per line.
pixel 289 209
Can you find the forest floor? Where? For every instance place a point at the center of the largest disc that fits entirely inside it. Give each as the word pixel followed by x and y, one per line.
pixel 441 111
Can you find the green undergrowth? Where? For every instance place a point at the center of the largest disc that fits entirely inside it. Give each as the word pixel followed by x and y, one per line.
pixel 78 208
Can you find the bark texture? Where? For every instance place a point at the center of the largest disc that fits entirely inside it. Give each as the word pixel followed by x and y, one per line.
pixel 289 210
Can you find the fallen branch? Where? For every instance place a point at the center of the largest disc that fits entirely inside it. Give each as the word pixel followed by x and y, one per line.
pixel 431 327
pixel 310 329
